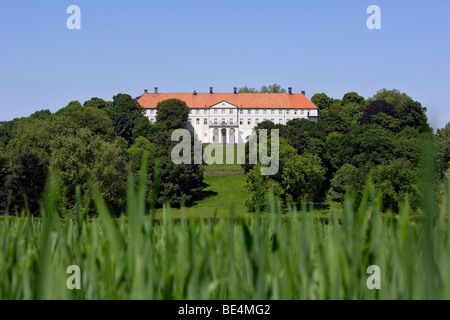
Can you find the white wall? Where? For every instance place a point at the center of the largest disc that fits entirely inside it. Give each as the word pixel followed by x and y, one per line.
pixel 232 113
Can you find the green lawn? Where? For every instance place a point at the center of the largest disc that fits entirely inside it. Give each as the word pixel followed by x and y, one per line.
pixel 221 194
pixel 224 166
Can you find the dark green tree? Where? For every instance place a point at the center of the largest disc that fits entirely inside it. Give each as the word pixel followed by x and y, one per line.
pixel 411 112
pixel 26 184
pixel 173 113
pixel 322 101
pixel 352 97
pixel 376 107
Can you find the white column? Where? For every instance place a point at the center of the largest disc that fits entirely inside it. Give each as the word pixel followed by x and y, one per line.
pixel 210 135
pixel 227 135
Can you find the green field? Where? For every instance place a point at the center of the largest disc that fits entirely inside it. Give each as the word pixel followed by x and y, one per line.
pixel 269 256
pixel 224 166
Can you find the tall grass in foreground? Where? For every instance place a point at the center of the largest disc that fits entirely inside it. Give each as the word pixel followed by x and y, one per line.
pixel 270 256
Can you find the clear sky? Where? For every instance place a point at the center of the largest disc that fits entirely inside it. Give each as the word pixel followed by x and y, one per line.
pixel 182 46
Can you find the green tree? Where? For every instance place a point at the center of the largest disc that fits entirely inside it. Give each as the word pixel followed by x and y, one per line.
pixel 443 143
pixel 396 180
pixel 322 101
pixel 373 145
pixel 344 178
pixel 43 114
pixel 72 107
pixel 96 103
pixel 26 184
pixel 411 112
pixel 86 153
pixel 303 177
pixel 125 114
pixel 352 97
pixel 299 177
pixel 173 113
pixel 274 88
pixel 246 89
pixel 96 120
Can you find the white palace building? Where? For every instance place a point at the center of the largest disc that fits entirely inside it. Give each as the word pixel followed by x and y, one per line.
pixel 230 117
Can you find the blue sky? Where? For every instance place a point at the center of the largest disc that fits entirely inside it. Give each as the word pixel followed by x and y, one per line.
pixel 181 46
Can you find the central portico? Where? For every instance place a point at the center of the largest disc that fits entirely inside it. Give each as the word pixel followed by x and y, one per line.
pixel 223 128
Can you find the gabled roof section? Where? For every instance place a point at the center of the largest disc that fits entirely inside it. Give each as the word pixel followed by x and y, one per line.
pixel 241 100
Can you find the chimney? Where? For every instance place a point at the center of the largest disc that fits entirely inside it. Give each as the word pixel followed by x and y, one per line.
pixel 195 92
pixel 290 91
pixel 303 93
pixel 211 90
pixel 156 90
pixel 235 90
pixel 145 91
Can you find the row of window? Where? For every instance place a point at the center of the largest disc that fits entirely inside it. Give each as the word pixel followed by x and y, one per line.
pixel 249 111
pixel 231 121
pixel 231 111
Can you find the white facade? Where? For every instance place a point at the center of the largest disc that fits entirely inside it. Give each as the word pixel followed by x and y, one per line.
pixel 226 123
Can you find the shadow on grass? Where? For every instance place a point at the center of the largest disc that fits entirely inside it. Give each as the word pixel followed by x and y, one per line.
pixel 204 194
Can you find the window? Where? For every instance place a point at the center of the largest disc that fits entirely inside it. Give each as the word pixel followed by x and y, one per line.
pixel 295 111
pixel 280 112
pixel 249 121
pixel 152 111
pixel 190 111
pixel 215 111
pixel 190 120
pixel 241 111
pixel 256 111
pixel 241 121
pixel 273 120
pixel 287 111
pixel 205 111
pixel 205 121
pixel 223 120
pixel 264 119
pixel 197 121
pixel 215 120
pixel 280 121
pixel 223 111
pixel 197 111
pixel 231 111
pixel 303 112
pixel 231 120
pixel 257 121
pixel 264 111
pixel 287 120
pixel 272 111
pixel 249 111
pixel 152 120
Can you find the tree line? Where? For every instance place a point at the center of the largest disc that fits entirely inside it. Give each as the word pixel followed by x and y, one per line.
pixel 354 140
pixel 101 139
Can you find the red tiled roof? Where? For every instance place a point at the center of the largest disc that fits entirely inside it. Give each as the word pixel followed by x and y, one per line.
pixel 240 100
